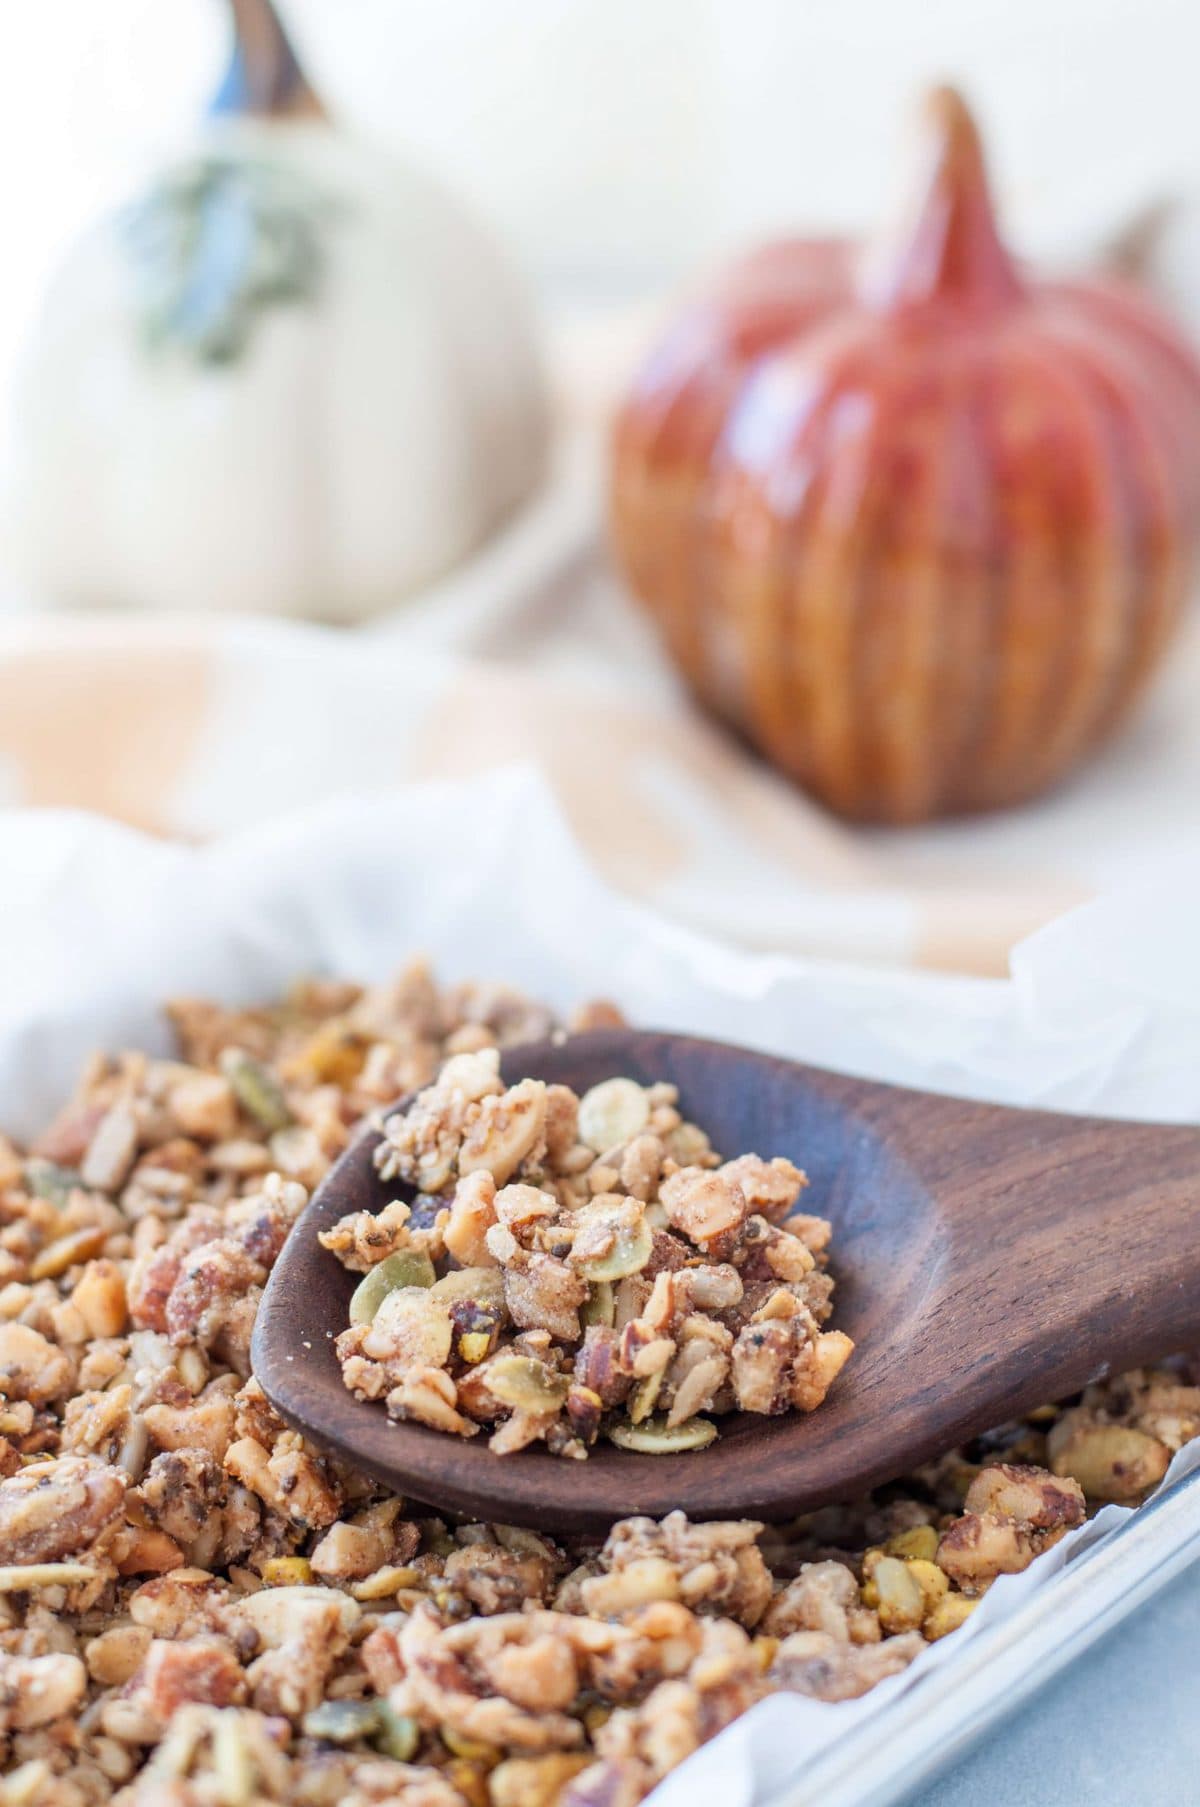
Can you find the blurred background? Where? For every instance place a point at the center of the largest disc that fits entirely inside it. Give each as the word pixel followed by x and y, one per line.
pixel 404 426
pixel 621 146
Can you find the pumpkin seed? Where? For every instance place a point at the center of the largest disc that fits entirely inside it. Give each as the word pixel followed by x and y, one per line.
pixel 410 1267
pixel 484 1285
pixel 46 1179
pixel 472 1750
pixel 256 1089
pixel 398 1734
pixel 612 1113
pixel 343 1721
pixel 600 1306
pixel 632 1248
pixel 525 1385
pixel 655 1439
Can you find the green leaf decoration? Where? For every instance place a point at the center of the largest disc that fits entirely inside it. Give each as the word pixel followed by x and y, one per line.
pixel 215 245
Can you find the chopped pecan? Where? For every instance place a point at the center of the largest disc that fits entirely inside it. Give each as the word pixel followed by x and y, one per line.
pixel 503 1681
pixel 828 1668
pixel 38 1690
pixel 1109 1461
pixel 49 1510
pixel 709 1208
pixel 823 1597
pixel 198 1669
pixel 716 1568
pixel 30 1366
pixel 1012 1514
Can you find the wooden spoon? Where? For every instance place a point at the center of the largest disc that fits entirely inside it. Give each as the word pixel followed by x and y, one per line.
pixel 987 1260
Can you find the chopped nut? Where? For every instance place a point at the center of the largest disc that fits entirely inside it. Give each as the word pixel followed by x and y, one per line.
pixel 812 1662
pixel 1109 1461
pixel 707 1207
pixel 110 1153
pixel 1012 1514
pixel 698 1389
pixel 429 1395
pixel 950 1612
pixel 117 1654
pixel 288 1480
pixel 38 1690
pixel 896 1594
pixel 67 1252
pixel 472 1215
pixel 204 1106
pixel 31 1367
pixel 287 1571
pixel 533 1781
pixel 542 1292
pixel 505 1130
pixel 99 1298
pixel 54 1510
pixel 410 1327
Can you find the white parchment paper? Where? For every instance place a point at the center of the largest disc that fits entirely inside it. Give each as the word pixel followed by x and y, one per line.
pixel 99 924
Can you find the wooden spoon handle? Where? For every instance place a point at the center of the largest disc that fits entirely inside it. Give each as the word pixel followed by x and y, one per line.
pixel 1066 1244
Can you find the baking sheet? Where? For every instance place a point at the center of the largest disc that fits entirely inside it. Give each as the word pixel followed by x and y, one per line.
pixel 926 1730
pixel 1102 1013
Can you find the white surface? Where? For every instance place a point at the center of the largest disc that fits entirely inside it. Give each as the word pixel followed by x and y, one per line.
pixel 1120 1727
pixel 100 924
pixel 617 142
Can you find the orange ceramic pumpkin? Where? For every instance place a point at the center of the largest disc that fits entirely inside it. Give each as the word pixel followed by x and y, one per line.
pixel 915 522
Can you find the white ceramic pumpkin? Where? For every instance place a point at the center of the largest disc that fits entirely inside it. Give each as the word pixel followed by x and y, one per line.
pixel 291 378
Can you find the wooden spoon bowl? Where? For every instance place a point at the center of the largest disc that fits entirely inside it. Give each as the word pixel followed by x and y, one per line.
pixel 987 1260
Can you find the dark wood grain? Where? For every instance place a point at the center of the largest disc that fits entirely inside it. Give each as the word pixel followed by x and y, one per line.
pixel 987 1260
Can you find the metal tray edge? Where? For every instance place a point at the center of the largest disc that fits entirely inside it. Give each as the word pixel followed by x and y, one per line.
pixel 926 1728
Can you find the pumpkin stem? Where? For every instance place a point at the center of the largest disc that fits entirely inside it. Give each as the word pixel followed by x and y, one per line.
pixel 264 78
pixel 951 246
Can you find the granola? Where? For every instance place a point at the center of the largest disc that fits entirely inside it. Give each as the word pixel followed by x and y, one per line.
pixel 196 1607
pixel 567 1268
